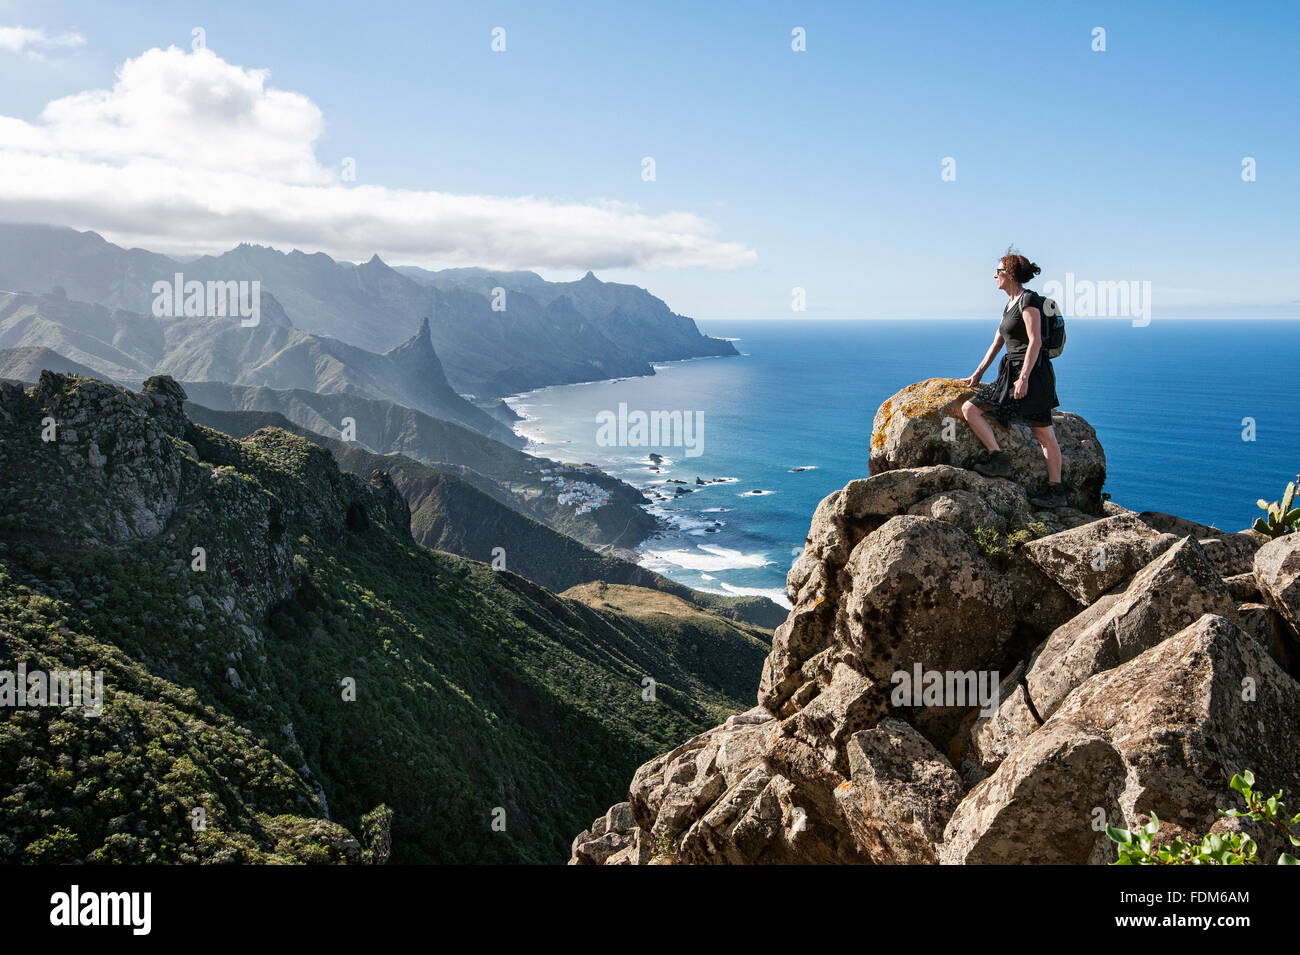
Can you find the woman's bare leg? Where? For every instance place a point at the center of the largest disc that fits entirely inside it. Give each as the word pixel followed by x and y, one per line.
pixel 1051 451
pixel 975 418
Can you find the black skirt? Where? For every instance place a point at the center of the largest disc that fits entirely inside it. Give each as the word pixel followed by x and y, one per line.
pixel 1035 408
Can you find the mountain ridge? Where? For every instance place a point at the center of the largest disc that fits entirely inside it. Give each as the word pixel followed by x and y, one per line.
pixel 454 510
pixel 131 346
pixel 541 334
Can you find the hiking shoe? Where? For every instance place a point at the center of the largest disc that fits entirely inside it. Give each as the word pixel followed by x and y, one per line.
pixel 1054 497
pixel 994 464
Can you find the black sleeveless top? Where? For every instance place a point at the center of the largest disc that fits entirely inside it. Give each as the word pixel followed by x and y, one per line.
pixel 999 396
pixel 1013 329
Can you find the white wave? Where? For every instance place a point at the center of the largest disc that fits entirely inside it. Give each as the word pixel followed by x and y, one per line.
pixel 679 520
pixel 704 557
pixel 715 510
pixel 775 594
pixel 755 493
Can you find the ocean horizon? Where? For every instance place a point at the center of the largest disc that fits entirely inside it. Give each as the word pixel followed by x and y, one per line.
pixel 1177 405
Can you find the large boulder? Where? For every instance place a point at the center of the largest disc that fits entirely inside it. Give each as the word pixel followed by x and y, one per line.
pixel 1163 733
pixel 1037 808
pixel 1277 571
pixel 899 795
pixel 923 425
pixel 994 736
pixel 1090 559
pixel 922 592
pixel 846 517
pixel 1176 589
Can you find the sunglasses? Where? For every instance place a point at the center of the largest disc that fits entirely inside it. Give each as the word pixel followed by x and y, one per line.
pixel 999 271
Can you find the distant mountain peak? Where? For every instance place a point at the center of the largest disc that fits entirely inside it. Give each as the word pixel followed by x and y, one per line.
pixel 590 277
pixel 416 354
pixel 273 312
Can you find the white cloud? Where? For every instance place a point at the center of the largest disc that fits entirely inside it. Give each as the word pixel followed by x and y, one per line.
pixel 188 153
pixel 34 43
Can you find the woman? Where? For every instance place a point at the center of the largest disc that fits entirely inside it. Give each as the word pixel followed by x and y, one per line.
pixel 1026 383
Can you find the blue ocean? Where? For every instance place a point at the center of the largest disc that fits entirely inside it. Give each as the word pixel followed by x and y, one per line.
pixel 1175 404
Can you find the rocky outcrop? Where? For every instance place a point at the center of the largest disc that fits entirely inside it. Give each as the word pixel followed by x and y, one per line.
pixel 613 839
pixel 923 425
pixel 899 795
pixel 1174 590
pixel 116 467
pixel 1163 733
pixel 966 680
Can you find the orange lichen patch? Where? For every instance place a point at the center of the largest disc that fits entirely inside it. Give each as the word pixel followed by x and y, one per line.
pixel 923 398
pixel 844 786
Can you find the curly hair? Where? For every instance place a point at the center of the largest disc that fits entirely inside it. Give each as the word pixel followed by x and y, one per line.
pixel 1021 269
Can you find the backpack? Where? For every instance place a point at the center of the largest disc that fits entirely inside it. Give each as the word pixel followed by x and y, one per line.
pixel 1053 327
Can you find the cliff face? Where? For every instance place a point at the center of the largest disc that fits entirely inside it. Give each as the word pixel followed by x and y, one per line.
pixel 966 680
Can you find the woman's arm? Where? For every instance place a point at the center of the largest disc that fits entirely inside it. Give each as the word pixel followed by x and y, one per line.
pixel 1034 327
pixel 996 347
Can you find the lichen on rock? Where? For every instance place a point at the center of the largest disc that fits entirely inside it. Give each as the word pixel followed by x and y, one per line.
pixel 923 425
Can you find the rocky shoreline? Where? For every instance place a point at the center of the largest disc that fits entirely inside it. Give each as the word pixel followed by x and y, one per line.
pixel 1141 661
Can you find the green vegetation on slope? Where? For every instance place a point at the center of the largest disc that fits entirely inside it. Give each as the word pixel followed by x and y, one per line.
pixel 479 696
pixel 464 513
pixel 510 476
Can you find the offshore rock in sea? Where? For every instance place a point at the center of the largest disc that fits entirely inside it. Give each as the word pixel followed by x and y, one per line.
pixel 922 425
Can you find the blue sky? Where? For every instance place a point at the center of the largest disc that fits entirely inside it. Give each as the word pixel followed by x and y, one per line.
pixel 816 169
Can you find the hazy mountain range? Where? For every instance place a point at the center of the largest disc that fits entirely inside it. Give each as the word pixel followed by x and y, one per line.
pixel 480 691
pixel 130 346
pixel 539 333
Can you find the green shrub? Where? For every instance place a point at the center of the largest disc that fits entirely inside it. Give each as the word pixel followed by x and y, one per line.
pixel 376 835
pixel 1137 847
pixel 1281 518
pixel 995 544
